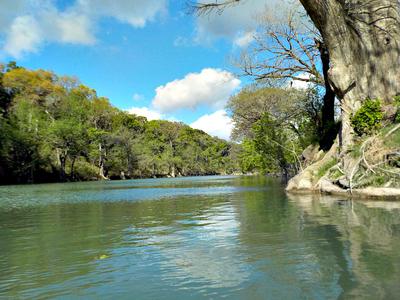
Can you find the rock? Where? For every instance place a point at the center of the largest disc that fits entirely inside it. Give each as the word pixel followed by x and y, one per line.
pixel 326 186
pixel 308 177
pixel 378 192
pixel 344 183
pixel 311 154
pixel 302 181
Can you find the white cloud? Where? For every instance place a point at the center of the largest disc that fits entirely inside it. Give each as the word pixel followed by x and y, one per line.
pixel 230 22
pixel 145 112
pixel 137 97
pixel 211 87
pixel 237 23
pixel 24 36
pixel 300 84
pixel 215 124
pixel 74 29
pixel 134 12
pixel 244 39
pixel 10 9
pixel 25 24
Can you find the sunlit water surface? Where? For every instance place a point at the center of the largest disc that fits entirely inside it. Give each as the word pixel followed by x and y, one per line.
pixel 194 238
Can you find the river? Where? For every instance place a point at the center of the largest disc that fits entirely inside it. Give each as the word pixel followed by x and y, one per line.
pixel 194 238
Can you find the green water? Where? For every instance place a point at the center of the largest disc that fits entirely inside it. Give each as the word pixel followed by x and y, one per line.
pixel 194 238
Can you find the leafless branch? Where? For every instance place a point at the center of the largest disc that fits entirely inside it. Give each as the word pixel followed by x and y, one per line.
pixel 283 52
pixel 205 8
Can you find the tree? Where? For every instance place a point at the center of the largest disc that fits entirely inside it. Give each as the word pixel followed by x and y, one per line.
pixel 362 39
pixel 289 48
pixel 101 121
pixel 363 42
pixel 54 125
pixel 67 138
pixel 297 110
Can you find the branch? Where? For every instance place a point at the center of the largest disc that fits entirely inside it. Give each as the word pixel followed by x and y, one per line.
pixel 201 8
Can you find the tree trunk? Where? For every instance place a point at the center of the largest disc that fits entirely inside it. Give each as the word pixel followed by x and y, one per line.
pixel 362 38
pixel 101 162
pixel 172 172
pixel 73 168
pixel 62 159
pixel 328 129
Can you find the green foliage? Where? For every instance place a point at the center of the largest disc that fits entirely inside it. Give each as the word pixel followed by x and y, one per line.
pixel 368 118
pixel 54 128
pixel 84 170
pixel 250 159
pixel 335 174
pixel 275 125
pixel 394 140
pixel 325 167
pixel 397 104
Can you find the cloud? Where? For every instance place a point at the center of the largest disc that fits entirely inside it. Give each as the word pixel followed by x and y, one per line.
pixel 216 124
pixel 25 24
pixel 210 87
pixel 232 21
pixel 10 9
pixel 74 28
pixel 237 23
pixel 244 39
pixel 137 97
pixel 145 112
pixel 134 12
pixel 24 36
pixel 300 84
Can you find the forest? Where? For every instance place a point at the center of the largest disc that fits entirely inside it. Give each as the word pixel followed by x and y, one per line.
pixel 53 128
pixel 337 133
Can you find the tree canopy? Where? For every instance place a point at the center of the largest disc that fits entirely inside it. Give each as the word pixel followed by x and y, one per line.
pixel 53 128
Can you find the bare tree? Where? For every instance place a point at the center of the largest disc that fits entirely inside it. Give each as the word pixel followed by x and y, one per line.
pixel 290 49
pixel 362 40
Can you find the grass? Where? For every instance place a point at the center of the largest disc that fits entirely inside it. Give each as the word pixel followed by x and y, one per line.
pixel 393 141
pixel 335 174
pixel 355 150
pixel 325 168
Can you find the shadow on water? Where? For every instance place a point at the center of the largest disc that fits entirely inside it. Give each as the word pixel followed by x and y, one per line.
pixel 210 237
pixel 364 239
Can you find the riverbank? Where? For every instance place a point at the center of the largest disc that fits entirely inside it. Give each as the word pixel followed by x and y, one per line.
pixel 367 171
pixel 328 188
pixel 115 178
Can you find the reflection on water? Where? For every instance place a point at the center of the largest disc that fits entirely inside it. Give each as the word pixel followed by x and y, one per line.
pixel 206 237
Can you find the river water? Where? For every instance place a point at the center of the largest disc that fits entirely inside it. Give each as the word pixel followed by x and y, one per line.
pixel 194 238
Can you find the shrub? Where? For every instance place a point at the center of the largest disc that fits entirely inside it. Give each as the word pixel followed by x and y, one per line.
pixel 368 118
pixel 85 170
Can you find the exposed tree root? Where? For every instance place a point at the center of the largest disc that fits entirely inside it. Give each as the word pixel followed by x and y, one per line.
pixel 374 171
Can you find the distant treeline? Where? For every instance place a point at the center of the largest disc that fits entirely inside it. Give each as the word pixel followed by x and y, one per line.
pixel 53 128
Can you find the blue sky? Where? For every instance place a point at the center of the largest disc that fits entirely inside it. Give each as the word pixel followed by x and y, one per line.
pixel 148 57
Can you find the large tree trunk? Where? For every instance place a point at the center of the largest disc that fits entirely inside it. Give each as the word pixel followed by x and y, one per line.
pixel 328 128
pixel 362 38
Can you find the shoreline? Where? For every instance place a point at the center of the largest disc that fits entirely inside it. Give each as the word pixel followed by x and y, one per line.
pixel 369 193
pixel 127 179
